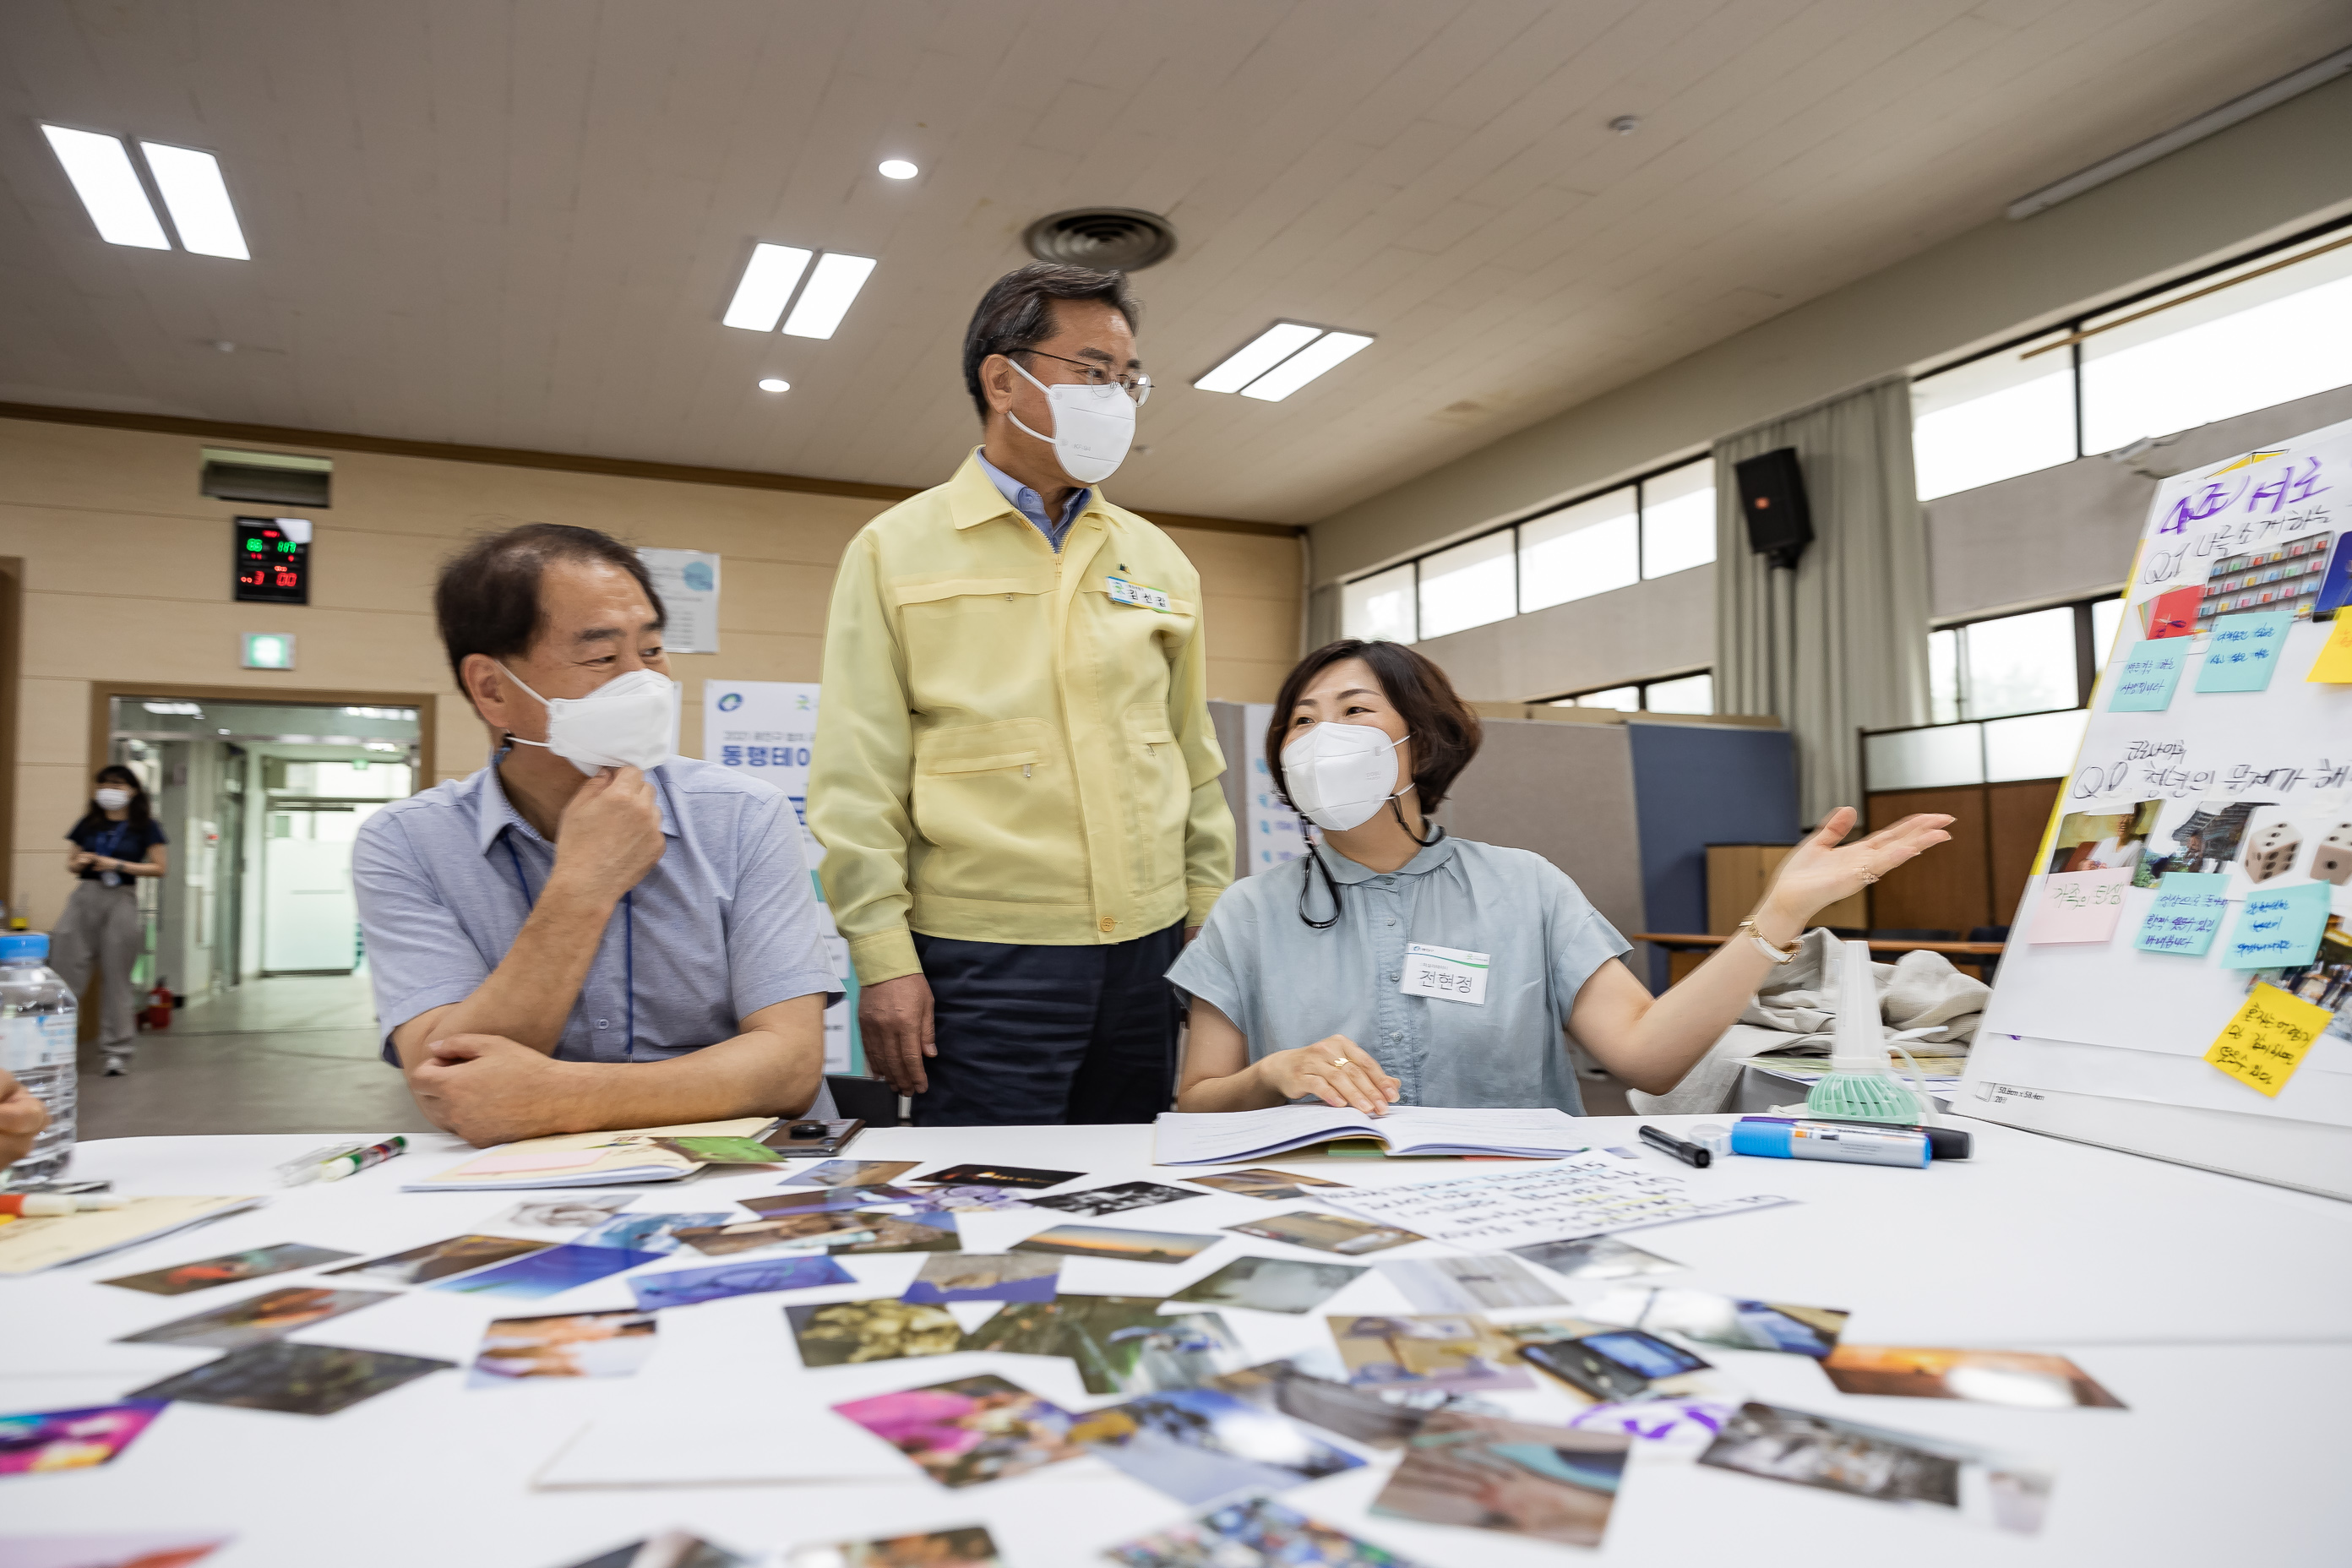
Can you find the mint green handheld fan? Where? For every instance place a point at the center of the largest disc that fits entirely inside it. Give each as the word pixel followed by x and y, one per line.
pixel 1859 1086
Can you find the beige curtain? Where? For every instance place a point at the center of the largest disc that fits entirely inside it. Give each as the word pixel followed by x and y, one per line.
pixel 1840 644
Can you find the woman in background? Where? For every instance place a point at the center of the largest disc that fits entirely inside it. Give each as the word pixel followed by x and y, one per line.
pixel 116 841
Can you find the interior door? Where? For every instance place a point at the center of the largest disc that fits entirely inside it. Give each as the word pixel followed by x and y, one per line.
pixel 310 917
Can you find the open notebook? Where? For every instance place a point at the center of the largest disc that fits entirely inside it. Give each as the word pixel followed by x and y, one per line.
pixel 1182 1138
pixel 586 1159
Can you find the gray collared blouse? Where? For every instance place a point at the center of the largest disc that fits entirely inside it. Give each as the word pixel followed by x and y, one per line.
pixel 1286 985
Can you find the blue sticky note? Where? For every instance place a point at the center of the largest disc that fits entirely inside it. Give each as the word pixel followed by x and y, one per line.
pixel 2243 651
pixel 2187 914
pixel 2145 681
pixel 2278 930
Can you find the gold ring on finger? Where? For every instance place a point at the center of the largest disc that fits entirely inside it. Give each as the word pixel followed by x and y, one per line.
pixel 1339 1061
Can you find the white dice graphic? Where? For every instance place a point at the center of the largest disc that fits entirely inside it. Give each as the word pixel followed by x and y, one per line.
pixel 2272 851
pixel 2332 860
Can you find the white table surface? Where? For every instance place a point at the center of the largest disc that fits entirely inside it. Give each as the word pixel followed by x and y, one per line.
pixel 2219 1311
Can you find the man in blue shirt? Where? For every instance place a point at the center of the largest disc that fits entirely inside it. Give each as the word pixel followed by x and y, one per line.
pixel 589 933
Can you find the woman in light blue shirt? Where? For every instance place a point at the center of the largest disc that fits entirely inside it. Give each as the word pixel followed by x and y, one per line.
pixel 1325 985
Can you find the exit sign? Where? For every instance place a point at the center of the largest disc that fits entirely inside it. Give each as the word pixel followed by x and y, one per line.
pixel 273 560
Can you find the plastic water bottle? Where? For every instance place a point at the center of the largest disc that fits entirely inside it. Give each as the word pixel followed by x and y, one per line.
pixel 36 1045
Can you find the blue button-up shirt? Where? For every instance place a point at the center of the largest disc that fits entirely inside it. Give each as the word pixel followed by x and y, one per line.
pixel 725 923
pixel 1032 505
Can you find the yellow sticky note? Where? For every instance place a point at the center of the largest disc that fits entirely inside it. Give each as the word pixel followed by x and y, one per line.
pixel 2334 660
pixel 2262 1046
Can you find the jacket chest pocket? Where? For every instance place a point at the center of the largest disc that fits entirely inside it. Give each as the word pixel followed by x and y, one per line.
pixel 972 643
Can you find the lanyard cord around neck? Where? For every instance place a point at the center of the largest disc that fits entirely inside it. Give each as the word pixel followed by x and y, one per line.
pixel 628 935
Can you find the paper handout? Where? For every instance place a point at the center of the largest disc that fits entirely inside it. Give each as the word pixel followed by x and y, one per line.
pixel 587 1159
pixel 2262 1046
pixel 2079 905
pixel 1587 1196
pixel 1194 1138
pixel 2187 914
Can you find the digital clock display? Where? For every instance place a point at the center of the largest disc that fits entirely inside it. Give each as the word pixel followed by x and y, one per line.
pixel 273 560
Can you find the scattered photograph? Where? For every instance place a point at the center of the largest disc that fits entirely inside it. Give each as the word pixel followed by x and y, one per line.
pixel 257 1319
pixel 1198 1445
pixel 577 1211
pixel 1327 1232
pixel 1357 1413
pixel 548 1273
pixel 1270 1284
pixel 1725 1321
pixel 1119 1246
pixel 573 1345
pixel 927 1230
pixel 723 1151
pixel 985 1277
pixel 853 1173
pixel 998 1176
pixel 972 1430
pixel 1454 1351
pixel 671 1549
pixel 1120 1344
pixel 1491 1473
pixel 228 1268
pixel 144 1549
pixel 1988 1377
pixel 2103 841
pixel 1257 1534
pixel 1889 1467
pixel 1595 1257
pixel 753 1277
pixel 2206 840
pixel 1678 1426
pixel 439 1260
pixel 654 1231
pixel 1118 1199
pixel 829 1200
pixel 847 1333
pixel 300 1380
pixel 970 1547
pixel 44 1440
pixel 970 1199
pixel 1264 1182
pixel 1612 1365
pixel 1467 1284
pixel 816 1230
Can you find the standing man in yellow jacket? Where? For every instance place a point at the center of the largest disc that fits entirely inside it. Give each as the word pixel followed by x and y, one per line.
pixel 1016 781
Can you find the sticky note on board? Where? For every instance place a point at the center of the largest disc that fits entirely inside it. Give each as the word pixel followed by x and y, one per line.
pixel 2079 905
pixel 2278 928
pixel 2262 1046
pixel 2244 651
pixel 2334 660
pixel 2187 914
pixel 2145 678
pixel 2174 615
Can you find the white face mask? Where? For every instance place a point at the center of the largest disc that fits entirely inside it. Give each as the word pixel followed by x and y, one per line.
pixel 1337 775
pixel 624 723
pixel 111 799
pixel 1093 426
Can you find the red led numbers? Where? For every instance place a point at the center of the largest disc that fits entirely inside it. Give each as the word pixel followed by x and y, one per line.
pixel 273 560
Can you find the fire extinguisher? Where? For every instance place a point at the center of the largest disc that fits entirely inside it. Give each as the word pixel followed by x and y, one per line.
pixel 157 1014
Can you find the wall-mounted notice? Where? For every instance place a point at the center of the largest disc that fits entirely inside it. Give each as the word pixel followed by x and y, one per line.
pixel 2203 804
pixel 1271 831
pixel 688 581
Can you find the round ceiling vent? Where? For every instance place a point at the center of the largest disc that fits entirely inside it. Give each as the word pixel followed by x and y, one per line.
pixel 1114 239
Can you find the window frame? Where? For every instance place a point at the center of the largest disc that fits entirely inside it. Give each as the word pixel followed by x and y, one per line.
pixel 2086 670
pixel 1641 691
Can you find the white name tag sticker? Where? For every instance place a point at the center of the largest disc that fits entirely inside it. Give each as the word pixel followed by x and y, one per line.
pixel 1123 592
pixel 1448 973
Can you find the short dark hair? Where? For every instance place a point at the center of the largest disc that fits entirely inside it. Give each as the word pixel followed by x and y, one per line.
pixel 1016 313
pixel 486 600
pixel 1444 731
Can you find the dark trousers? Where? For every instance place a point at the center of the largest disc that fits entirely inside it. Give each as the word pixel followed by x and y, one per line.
pixel 1049 1034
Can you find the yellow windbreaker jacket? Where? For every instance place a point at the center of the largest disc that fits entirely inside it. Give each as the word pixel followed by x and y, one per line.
pixel 1004 752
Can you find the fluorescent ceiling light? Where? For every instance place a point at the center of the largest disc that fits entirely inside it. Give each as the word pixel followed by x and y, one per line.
pixel 897 169
pixel 1268 349
pixel 192 190
pixel 1305 366
pixel 832 287
pixel 775 384
pixel 767 284
pixel 99 168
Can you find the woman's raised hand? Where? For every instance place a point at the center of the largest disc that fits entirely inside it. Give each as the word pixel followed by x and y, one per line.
pixel 1336 1070
pixel 1822 870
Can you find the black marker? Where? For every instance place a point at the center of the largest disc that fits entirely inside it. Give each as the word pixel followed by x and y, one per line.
pixel 1667 1142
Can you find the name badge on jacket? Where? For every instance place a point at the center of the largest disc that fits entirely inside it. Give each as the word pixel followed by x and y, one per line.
pixel 1448 973
pixel 1123 592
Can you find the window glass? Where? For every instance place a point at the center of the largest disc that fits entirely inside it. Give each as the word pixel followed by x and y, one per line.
pixel 1944 675
pixel 1993 418
pixel 2283 336
pixel 1624 698
pixel 2020 664
pixel 1466 586
pixel 1690 694
pixel 1579 551
pixel 2107 617
pixel 1678 521
pixel 1925 759
pixel 2039 746
pixel 1379 606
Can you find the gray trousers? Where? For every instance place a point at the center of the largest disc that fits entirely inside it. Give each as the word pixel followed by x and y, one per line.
pixel 101 924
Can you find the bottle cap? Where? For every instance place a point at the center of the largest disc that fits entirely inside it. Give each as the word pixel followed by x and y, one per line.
pixel 24 946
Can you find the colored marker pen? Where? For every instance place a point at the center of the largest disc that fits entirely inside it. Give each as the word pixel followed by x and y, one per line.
pixel 342 1166
pixel 1850 1142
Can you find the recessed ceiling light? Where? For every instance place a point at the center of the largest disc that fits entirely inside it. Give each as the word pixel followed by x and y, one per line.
pixel 899 169
pixel 767 283
pixel 774 383
pixel 1262 352
pixel 194 191
pixel 833 285
pixel 1305 366
pixel 99 168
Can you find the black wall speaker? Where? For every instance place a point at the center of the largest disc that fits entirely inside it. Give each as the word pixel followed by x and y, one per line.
pixel 1772 498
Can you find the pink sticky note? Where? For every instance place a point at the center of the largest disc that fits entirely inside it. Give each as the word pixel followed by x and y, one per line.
pixel 2079 905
